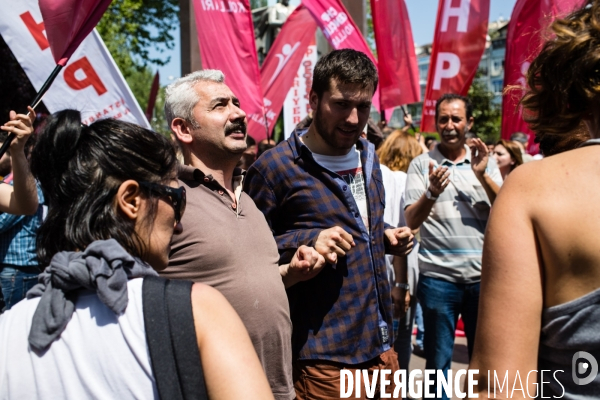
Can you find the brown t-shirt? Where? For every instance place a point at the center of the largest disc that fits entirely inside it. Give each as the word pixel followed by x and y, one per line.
pixel 231 248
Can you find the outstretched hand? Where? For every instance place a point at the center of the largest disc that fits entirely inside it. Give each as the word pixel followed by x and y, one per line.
pixel 305 265
pixel 22 126
pixel 479 156
pixel 439 179
pixel 399 241
pixel 333 243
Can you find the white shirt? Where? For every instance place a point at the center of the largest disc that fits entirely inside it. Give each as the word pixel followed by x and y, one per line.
pixel 100 355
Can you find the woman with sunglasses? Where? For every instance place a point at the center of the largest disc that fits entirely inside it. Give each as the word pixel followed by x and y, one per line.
pixel 83 331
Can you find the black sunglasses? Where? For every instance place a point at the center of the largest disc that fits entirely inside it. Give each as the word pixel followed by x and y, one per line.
pixel 177 196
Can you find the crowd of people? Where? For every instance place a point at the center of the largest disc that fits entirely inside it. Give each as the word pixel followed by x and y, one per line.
pixel 134 266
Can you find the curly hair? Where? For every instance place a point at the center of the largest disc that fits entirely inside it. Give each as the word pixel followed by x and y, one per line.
pixel 564 79
pixel 398 151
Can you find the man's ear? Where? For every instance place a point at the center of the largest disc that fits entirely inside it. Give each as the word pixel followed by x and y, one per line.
pixel 182 130
pixel 470 124
pixel 313 99
pixel 129 199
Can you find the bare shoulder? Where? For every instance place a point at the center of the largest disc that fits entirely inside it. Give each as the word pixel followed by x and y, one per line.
pixel 555 176
pixel 207 297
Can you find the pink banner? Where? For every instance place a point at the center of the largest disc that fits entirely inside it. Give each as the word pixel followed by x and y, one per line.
pixel 398 69
pixel 281 64
pixel 226 38
pixel 458 45
pixel 340 30
pixel 68 22
pixel 529 19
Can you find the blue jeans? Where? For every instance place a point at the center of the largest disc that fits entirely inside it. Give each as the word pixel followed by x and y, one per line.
pixel 15 282
pixel 420 325
pixel 442 302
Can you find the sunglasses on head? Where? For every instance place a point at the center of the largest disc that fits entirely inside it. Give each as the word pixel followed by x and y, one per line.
pixel 177 196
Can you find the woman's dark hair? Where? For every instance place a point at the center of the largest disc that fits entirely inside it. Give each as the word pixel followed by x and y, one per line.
pixel 556 144
pixel 80 169
pixel 564 79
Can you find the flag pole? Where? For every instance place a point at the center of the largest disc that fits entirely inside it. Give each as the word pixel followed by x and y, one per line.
pixel 405 111
pixel 35 103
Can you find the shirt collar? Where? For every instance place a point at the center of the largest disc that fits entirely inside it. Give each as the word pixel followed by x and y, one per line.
pixel 297 145
pixel 190 173
pixel 437 155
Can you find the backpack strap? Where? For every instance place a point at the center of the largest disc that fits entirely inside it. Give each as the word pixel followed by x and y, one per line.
pixel 171 338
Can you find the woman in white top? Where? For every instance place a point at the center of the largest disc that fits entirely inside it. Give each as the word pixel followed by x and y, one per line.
pixel 114 204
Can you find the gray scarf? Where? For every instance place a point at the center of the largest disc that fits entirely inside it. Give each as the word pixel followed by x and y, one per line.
pixel 104 267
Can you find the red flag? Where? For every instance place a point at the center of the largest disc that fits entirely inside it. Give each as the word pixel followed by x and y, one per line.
pixel 152 97
pixel 339 28
pixel 226 38
pixel 528 23
pixel 398 69
pixel 458 45
pixel 68 22
pixel 281 64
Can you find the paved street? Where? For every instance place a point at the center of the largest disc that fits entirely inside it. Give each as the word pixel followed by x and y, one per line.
pixel 460 359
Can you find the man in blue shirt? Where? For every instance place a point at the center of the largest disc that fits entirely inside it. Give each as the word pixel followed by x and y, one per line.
pixel 323 188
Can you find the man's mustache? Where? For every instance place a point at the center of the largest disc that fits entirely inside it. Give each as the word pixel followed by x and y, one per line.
pixel 238 126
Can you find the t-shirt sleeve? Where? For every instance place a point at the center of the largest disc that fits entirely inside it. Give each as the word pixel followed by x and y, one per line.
pixel 416 182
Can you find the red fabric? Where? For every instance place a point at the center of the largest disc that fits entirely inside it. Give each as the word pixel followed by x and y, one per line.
pixel 458 45
pixel 398 68
pixel 68 22
pixel 340 30
pixel 226 38
pixel 528 25
pixel 152 97
pixel 283 60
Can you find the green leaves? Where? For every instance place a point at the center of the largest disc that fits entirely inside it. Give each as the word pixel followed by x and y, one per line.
pixel 130 29
pixel 487 114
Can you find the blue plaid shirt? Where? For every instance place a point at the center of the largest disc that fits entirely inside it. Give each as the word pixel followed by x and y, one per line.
pixel 344 314
pixel 18 236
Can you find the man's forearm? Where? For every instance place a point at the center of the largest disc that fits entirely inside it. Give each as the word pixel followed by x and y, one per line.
pixel 24 199
pixel 418 212
pixel 286 277
pixel 490 187
pixel 400 269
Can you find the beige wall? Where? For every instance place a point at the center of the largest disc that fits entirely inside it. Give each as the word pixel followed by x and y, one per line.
pixel 358 11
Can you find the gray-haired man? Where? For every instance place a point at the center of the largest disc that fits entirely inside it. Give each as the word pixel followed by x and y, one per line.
pixel 226 242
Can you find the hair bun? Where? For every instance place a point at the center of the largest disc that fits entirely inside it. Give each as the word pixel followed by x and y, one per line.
pixel 56 146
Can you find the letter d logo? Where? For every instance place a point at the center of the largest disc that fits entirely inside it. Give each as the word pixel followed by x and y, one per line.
pixel 583 367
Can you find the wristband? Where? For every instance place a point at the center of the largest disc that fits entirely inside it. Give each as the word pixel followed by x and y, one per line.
pixel 404 286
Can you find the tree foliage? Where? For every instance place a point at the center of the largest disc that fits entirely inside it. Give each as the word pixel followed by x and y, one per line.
pixel 130 29
pixel 487 114
pixel 370 34
pixel 258 3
